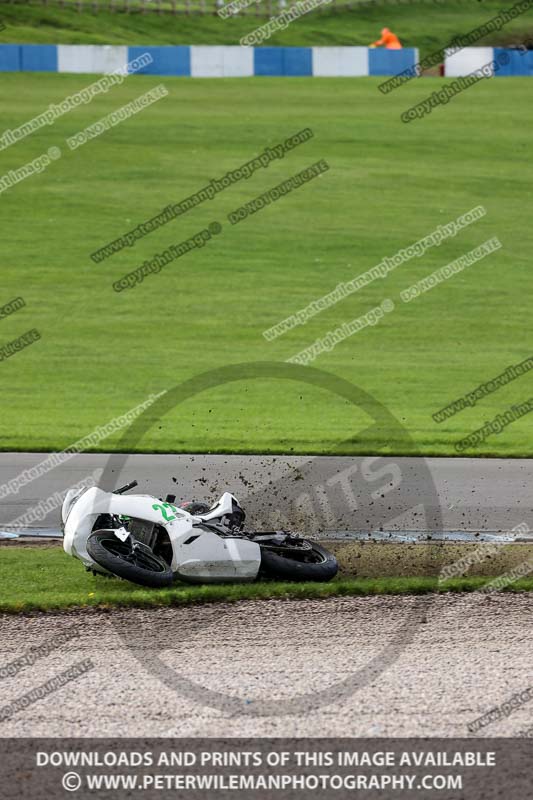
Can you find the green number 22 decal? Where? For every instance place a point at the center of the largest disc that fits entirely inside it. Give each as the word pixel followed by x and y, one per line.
pixel 163 509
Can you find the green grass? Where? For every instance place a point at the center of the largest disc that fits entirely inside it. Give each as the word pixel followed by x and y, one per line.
pixel 427 25
pixel 389 184
pixel 38 579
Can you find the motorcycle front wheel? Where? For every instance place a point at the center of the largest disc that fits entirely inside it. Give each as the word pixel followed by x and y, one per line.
pixel 312 562
pixel 136 564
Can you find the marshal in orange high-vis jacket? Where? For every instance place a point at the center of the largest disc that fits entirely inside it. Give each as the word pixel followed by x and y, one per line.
pixel 389 40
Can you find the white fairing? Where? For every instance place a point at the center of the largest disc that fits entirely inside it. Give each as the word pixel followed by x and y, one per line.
pixel 198 554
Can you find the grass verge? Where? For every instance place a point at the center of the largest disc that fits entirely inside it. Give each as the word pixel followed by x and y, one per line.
pixel 45 579
pixel 419 23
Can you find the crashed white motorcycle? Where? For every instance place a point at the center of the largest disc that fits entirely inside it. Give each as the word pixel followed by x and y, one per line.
pixel 153 542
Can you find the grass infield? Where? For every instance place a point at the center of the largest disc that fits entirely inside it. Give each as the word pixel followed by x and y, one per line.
pixel 102 353
pixel 45 579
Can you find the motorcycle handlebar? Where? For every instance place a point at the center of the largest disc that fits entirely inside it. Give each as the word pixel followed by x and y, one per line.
pixel 126 488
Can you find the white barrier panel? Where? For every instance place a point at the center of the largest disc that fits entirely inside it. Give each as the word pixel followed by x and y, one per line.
pixel 91 58
pixel 467 60
pixel 208 61
pixel 238 62
pixel 333 62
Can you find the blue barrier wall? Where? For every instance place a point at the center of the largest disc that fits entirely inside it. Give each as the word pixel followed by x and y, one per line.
pixel 281 61
pixel 200 61
pixel 268 61
pixel 10 57
pixel 391 62
pixel 297 61
pixel 235 61
pixel 38 58
pixel 520 62
pixel 171 60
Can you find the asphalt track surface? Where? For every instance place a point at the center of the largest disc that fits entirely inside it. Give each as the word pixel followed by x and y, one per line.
pixel 457 494
pixel 279 668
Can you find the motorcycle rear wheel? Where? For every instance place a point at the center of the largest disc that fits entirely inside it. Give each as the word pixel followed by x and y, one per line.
pixel 312 564
pixel 140 566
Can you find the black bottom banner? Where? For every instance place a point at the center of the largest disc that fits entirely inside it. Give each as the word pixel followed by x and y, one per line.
pixel 469 769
